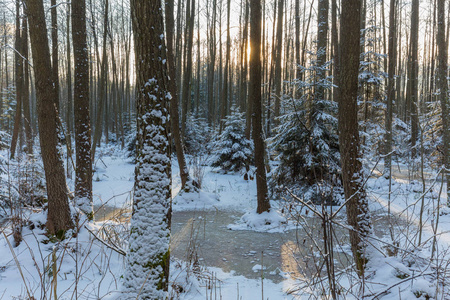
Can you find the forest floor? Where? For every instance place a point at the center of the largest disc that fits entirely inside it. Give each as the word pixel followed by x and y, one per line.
pixel 222 250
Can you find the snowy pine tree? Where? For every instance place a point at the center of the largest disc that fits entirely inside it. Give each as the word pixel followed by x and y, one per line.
pixel 235 151
pixel 306 142
pixel 197 135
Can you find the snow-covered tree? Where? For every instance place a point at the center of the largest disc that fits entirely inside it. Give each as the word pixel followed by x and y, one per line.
pixel 306 142
pixel 234 150
pixel 197 135
pixel 147 272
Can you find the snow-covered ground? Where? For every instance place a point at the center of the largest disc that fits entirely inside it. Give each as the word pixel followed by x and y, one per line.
pixel 88 269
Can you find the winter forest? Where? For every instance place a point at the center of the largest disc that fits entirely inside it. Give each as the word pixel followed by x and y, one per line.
pixel 224 149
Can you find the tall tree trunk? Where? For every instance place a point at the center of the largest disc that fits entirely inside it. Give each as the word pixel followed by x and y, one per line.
pixel 83 172
pixel 297 40
pixel 279 54
pixel 443 88
pixel 212 65
pixel 58 218
pixel 150 224
pixel 186 96
pixel 322 41
pixel 6 77
pixel 224 97
pixel 244 63
pixel 103 95
pixel 26 90
pixel 335 48
pixel 18 62
pixel 390 89
pixel 352 175
pixel 199 64
pixel 255 97
pixel 413 76
pixel 55 63
pixel 69 110
pixel 174 117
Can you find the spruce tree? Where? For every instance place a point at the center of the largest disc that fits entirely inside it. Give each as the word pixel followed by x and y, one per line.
pixel 235 151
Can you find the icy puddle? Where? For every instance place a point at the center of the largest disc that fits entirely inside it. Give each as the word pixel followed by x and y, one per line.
pixel 278 255
pixel 275 256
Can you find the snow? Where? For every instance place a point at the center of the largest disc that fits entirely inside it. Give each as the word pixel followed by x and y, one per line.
pixel 96 270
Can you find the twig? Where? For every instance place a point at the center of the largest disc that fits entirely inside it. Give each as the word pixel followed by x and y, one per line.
pixel 18 264
pixel 112 247
pixel 395 284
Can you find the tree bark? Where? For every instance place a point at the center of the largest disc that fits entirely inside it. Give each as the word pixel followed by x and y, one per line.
pixel 174 116
pixel 255 97
pixel 279 54
pixel 224 96
pixel 335 48
pixel 322 41
pixel 55 63
pixel 443 88
pixel 103 95
pixel 83 172
pixel 390 89
pixel 69 110
pixel 186 96
pixel 150 224
pixel 357 207
pixel 58 218
pixel 18 62
pixel 212 65
pixel 26 90
pixel 413 76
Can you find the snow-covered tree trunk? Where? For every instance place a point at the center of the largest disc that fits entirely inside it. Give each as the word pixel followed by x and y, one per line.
pixel 147 272
pixel 355 195
pixel 83 180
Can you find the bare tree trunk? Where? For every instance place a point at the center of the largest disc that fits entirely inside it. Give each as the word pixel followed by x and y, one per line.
pixel 6 77
pixel 224 97
pixel 335 48
pixel 212 64
pixel 279 54
pixel 297 40
pixel 174 116
pixel 83 172
pixel 355 195
pixel 18 62
pixel 390 89
pixel 443 87
pixel 186 96
pixel 244 64
pixel 322 41
pixel 69 110
pixel 58 219
pixel 55 63
pixel 26 90
pixel 102 87
pixel 413 75
pixel 255 97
